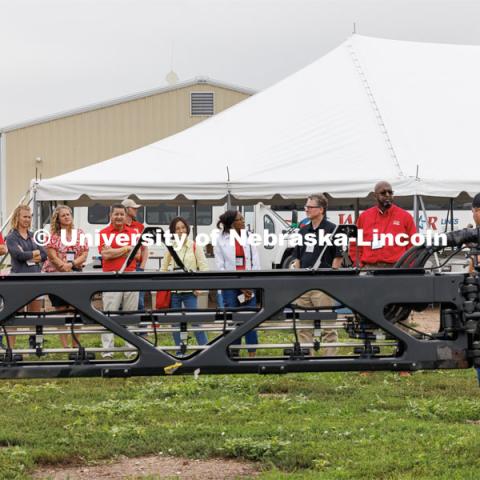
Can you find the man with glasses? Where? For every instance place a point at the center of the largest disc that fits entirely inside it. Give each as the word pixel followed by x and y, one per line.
pixel 385 217
pixel 306 256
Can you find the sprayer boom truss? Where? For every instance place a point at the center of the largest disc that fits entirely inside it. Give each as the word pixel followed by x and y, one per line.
pixel 365 316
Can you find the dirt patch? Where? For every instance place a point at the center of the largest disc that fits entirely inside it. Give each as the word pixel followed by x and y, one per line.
pixel 427 321
pixel 473 422
pixel 280 396
pixel 156 466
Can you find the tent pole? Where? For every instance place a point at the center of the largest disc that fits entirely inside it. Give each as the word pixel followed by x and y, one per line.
pixel 429 227
pixel 415 210
pixel 357 209
pixel 195 226
pixel 36 220
pixel 447 221
pixel 451 214
pixel 229 195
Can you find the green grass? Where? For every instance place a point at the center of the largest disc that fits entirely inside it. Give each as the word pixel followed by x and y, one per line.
pixel 309 426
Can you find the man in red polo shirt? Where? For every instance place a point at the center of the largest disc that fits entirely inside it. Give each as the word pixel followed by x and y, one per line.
pixel 116 242
pixel 384 217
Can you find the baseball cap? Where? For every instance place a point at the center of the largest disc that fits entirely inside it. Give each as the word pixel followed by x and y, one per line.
pixel 476 201
pixel 129 203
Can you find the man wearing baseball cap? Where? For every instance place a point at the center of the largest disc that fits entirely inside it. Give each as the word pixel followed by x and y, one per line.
pixel 131 222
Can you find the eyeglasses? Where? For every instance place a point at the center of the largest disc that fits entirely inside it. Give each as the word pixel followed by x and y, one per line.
pixel 309 207
pixel 385 192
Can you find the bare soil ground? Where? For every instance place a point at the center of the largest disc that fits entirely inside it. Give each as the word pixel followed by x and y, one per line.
pixel 153 466
pixel 427 321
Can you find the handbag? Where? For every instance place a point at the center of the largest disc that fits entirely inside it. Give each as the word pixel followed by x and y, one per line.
pixel 163 299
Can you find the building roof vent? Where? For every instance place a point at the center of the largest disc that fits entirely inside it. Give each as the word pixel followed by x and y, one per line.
pixel 201 103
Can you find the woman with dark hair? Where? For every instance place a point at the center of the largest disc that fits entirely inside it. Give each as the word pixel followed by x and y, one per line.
pixel 227 219
pixel 232 255
pixel 194 259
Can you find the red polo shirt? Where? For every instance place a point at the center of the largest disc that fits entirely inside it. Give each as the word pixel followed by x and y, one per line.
pixel 115 264
pixel 139 227
pixel 394 220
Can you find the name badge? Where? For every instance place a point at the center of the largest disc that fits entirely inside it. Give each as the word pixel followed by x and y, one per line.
pixel 239 261
pixel 376 244
pixel 70 256
pixel 309 248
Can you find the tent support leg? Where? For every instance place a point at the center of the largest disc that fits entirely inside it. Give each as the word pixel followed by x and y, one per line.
pixel 428 226
pixel 195 220
pixel 415 211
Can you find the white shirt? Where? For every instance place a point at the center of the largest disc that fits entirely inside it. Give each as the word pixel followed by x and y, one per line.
pixel 225 258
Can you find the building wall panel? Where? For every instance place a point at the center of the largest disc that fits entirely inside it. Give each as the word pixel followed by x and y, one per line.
pixel 75 141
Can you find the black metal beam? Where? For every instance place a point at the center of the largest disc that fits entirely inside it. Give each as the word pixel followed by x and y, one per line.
pixel 367 294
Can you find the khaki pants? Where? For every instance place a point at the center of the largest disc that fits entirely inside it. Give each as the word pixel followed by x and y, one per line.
pixel 112 301
pixel 314 299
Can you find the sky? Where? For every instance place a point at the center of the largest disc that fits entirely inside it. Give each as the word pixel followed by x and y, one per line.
pixel 58 55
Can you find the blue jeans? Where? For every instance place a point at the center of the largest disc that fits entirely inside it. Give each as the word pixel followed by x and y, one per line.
pixel 230 299
pixel 189 300
pixel 478 374
pixel 220 302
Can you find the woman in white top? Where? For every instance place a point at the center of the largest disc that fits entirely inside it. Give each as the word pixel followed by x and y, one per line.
pixel 231 255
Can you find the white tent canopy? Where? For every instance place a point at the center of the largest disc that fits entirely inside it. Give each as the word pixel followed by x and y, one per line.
pixel 372 109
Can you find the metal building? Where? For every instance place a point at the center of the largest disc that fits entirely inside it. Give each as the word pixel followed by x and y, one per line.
pixel 59 143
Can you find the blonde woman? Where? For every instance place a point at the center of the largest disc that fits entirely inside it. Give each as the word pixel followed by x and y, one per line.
pixel 194 259
pixel 26 255
pixel 63 258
